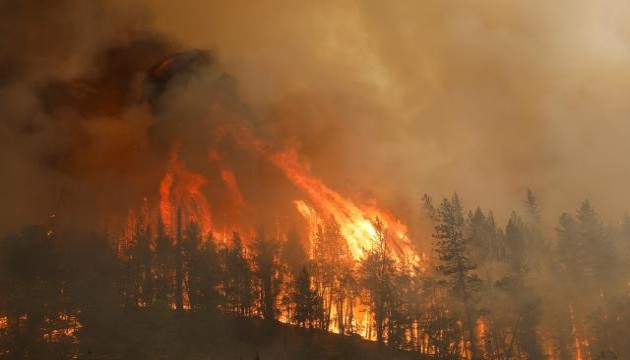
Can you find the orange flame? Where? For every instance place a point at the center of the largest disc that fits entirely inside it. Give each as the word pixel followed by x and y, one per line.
pixel 181 187
pixel 235 194
pixel 576 337
pixel 355 222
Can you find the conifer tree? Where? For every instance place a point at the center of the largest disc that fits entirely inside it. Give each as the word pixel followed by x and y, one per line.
pixel 377 271
pixel 193 267
pixel 527 306
pixel 454 264
pixel 238 285
pixel 163 264
pixel 179 263
pixel 265 256
pixel 305 299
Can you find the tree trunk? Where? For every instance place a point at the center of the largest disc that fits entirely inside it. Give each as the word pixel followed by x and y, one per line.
pixel 179 276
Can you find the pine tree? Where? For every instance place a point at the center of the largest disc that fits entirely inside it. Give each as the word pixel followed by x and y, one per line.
pixel 570 251
pixel 179 263
pixel 163 264
pixel 138 277
pixel 305 299
pixel 597 250
pixel 377 271
pixel 454 264
pixel 484 240
pixel 400 331
pixel 584 246
pixel 537 246
pixel 142 257
pixel 265 253
pixel 339 276
pixel 516 241
pixel 329 259
pixel 345 294
pixel 428 207
pixel 527 306
pixel 321 276
pixel 438 327
pixel 533 209
pixel 193 267
pixel 238 283
pixel 208 274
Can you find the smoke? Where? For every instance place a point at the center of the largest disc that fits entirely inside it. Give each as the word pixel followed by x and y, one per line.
pixel 72 126
pixel 484 98
pixel 96 101
pixel 386 101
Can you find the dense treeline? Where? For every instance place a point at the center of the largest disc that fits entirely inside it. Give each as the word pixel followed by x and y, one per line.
pixel 482 292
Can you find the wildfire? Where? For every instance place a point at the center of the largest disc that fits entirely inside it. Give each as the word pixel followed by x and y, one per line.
pixel 578 343
pixel 181 187
pixel 235 194
pixel 355 222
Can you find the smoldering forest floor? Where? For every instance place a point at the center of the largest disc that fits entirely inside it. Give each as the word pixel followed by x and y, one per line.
pixel 167 335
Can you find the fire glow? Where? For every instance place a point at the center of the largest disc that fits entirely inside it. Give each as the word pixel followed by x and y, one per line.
pixel 355 222
pixel 183 188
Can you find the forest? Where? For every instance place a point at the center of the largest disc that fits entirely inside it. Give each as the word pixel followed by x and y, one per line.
pixel 483 291
pixel 236 179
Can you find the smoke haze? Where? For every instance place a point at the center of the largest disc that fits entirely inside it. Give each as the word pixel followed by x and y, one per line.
pixel 486 98
pixel 268 160
pixel 386 102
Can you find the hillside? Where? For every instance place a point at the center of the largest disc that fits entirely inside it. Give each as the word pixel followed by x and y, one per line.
pixel 165 335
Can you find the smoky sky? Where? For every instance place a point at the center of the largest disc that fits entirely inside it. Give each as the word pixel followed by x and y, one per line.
pixel 388 100
pixel 400 98
pixel 74 125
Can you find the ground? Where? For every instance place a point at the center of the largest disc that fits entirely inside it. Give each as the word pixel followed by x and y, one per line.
pixel 166 335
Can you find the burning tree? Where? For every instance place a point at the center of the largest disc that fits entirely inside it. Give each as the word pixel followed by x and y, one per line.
pixel 238 280
pixel 377 273
pixel 174 181
pixel 305 299
pixel 267 271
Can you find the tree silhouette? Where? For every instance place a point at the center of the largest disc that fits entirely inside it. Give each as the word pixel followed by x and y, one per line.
pixel 377 271
pixel 179 263
pixel 305 299
pixel 265 254
pixel 238 285
pixel 164 253
pixel 454 263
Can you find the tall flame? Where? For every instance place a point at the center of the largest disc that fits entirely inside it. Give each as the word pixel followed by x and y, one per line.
pixel 182 187
pixel 355 222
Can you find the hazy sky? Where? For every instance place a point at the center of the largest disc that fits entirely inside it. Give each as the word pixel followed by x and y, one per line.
pixel 405 97
pixel 395 99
